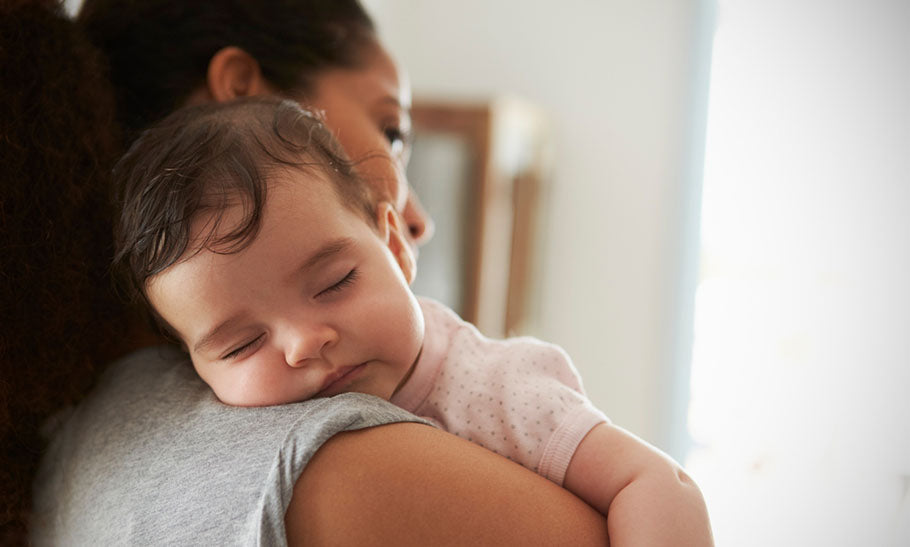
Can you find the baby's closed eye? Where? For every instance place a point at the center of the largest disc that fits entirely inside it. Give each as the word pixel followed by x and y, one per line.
pixel 339 285
pixel 243 349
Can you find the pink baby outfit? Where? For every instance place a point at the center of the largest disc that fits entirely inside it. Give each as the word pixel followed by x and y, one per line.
pixel 519 397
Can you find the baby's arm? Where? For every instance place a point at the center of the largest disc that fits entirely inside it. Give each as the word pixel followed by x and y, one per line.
pixel 648 499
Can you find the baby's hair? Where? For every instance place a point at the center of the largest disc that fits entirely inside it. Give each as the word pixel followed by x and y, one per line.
pixel 207 158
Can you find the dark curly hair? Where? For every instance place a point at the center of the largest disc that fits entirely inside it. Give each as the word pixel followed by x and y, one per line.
pixel 59 318
pixel 207 158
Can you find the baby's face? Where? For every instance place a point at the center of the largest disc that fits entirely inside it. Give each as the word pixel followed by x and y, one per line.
pixel 318 304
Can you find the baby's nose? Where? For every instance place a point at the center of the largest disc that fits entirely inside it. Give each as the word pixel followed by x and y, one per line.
pixel 307 342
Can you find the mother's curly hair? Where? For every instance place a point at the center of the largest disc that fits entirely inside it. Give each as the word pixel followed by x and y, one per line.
pixel 59 318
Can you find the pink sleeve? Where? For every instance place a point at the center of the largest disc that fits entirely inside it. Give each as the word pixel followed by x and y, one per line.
pixel 555 379
pixel 565 440
pixel 521 398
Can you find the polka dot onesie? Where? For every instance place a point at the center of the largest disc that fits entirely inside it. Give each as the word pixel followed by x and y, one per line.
pixel 519 397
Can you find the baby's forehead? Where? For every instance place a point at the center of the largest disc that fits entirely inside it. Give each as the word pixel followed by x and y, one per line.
pixel 227 221
pixel 306 187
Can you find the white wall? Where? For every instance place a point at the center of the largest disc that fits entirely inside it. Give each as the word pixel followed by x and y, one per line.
pixel 617 79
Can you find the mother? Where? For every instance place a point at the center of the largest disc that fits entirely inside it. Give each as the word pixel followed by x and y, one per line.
pixel 152 457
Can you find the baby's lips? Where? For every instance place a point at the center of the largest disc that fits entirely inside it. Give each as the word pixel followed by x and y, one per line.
pixel 336 380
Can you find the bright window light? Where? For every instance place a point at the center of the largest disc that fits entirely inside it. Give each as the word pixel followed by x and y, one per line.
pixel 801 363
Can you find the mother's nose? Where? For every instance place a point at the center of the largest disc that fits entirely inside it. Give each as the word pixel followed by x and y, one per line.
pixel 420 225
pixel 307 341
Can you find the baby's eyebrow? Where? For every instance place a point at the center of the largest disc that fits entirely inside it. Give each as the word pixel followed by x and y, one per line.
pixel 212 335
pixel 326 252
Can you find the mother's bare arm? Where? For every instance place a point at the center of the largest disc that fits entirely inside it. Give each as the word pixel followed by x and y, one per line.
pixel 409 484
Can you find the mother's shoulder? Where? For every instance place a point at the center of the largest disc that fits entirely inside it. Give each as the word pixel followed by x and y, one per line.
pixel 156 376
pixel 149 362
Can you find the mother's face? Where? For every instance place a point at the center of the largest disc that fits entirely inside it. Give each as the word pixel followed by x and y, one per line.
pixel 367 108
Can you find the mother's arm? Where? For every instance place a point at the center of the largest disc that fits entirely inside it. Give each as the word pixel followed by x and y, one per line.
pixel 409 484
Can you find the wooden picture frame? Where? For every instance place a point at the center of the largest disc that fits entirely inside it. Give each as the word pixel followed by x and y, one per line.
pixel 479 168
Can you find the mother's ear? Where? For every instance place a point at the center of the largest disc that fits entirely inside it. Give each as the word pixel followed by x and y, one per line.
pixel 390 230
pixel 234 73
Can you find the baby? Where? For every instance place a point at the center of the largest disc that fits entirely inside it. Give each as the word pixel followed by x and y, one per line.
pixel 259 248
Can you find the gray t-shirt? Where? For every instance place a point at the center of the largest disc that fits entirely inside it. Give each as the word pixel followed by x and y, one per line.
pixel 152 457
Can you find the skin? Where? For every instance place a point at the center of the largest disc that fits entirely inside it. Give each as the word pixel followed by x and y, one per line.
pixel 317 321
pixel 647 497
pixel 408 484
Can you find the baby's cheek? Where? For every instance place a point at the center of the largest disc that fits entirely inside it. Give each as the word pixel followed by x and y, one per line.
pixel 228 393
pixel 233 387
pixel 252 387
pixel 411 328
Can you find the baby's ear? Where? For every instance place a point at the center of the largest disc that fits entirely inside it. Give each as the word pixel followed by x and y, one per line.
pixel 390 230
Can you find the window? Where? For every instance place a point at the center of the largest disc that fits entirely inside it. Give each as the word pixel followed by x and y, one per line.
pixel 801 360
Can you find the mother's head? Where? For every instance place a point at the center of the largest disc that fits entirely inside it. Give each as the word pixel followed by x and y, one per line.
pixel 324 53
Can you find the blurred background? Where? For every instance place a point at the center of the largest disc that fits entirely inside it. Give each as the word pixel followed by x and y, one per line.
pixel 721 236
pixel 707 203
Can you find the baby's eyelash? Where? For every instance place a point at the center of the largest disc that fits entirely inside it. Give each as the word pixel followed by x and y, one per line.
pixel 344 282
pixel 241 350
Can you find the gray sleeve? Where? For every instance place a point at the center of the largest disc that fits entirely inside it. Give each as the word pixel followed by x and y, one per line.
pixel 152 457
